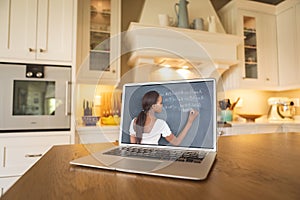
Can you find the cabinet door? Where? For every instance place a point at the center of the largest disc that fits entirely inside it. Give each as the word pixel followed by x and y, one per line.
pixel 267 51
pixel 55 30
pixel 6 183
pixel 287 51
pixel 99 44
pixel 260 50
pixel 18 29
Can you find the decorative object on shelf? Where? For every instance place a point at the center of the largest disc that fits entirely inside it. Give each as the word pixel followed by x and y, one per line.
pixel 212 24
pixel 164 20
pixel 182 14
pixel 198 24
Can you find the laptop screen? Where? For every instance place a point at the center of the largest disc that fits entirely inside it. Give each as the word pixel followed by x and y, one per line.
pixel 178 99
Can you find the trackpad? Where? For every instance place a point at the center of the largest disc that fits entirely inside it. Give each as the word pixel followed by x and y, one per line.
pixel 136 165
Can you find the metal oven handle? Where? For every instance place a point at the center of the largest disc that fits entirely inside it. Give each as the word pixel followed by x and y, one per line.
pixel 67 103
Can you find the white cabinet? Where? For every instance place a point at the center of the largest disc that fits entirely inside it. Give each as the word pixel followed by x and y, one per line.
pixel 257 23
pixel 251 128
pixel 98 46
pixel 6 183
pixel 288 30
pixel 19 152
pixel 255 128
pixel 36 30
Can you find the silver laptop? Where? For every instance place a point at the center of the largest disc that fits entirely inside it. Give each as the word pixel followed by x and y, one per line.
pixel 192 158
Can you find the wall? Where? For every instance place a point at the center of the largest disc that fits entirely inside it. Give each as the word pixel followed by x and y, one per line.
pixel 196 9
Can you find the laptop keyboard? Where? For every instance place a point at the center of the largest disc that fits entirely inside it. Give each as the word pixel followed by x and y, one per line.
pixel 160 154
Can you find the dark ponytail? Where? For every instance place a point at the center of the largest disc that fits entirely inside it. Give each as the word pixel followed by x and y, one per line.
pixel 149 99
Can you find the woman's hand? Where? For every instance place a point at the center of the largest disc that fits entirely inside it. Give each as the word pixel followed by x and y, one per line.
pixel 192 115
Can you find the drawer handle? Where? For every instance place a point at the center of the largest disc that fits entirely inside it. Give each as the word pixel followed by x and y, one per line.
pixel 4 157
pixel 33 155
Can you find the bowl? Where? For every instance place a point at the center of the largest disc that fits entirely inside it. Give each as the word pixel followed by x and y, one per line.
pixel 90 120
pixel 249 117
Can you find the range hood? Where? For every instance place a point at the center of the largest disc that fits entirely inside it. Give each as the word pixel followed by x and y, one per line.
pixel 174 47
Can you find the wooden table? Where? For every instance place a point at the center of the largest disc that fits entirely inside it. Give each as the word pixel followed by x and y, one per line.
pixel 260 166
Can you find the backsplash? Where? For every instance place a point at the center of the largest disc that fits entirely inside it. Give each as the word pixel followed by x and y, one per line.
pixel 104 100
pixel 256 102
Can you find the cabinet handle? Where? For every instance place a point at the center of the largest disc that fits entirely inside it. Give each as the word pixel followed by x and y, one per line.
pixel 31 50
pixel 33 155
pixel 113 71
pixel 43 50
pixel 267 79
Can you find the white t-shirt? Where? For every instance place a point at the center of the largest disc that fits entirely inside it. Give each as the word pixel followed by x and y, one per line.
pixel 159 128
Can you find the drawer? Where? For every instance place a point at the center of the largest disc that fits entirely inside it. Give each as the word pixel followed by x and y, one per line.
pixel 19 154
pixel 23 156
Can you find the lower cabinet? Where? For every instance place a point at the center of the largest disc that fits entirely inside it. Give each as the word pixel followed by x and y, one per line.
pixel 6 183
pixel 20 151
pixel 97 134
pixel 255 128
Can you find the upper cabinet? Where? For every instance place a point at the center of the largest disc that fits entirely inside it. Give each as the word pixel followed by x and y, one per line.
pixel 256 22
pixel 36 30
pixel 98 43
pixel 288 29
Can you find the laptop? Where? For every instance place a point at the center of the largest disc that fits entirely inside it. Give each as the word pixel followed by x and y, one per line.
pixel 192 158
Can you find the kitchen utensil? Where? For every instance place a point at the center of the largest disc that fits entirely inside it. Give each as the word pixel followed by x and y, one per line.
pixel 232 106
pixel 182 14
pixel 224 104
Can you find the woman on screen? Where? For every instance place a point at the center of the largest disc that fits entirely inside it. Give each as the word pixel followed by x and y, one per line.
pixel 147 129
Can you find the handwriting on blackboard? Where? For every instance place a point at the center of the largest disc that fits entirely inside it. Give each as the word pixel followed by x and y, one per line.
pixel 183 100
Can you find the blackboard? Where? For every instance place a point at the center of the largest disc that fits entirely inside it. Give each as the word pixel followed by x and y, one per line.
pixel 178 99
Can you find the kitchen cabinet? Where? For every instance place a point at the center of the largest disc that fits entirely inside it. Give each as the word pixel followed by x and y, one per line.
pixel 256 22
pixel 6 183
pixel 288 30
pixel 97 134
pixel 19 151
pixel 260 127
pixel 251 128
pixel 99 24
pixel 36 30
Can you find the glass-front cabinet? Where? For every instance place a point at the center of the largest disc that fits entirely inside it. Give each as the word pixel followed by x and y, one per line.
pixel 98 42
pixel 250 47
pixel 259 50
pixel 256 22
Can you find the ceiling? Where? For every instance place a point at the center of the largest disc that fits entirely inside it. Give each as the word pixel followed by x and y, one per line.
pixel 220 3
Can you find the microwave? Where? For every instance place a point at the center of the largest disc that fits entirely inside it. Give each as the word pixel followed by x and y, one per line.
pixel 34 97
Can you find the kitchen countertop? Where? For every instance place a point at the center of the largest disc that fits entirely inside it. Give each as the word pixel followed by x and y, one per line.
pixel 260 166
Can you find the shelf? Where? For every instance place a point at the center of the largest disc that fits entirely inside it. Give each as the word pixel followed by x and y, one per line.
pixel 250 31
pixel 100 51
pixel 250 63
pixel 250 47
pixel 100 31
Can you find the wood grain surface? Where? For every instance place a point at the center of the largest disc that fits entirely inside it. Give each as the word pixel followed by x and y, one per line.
pixel 258 166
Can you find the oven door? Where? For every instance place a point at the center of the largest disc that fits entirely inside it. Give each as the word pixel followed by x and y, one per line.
pixel 34 103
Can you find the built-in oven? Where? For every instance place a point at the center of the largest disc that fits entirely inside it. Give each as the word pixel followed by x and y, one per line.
pixel 34 97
